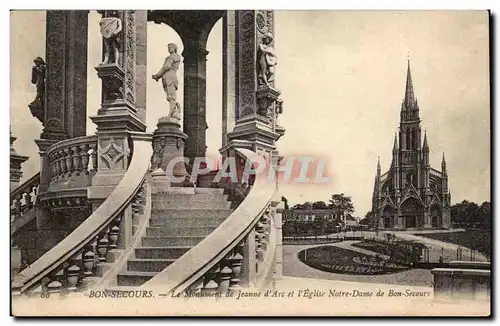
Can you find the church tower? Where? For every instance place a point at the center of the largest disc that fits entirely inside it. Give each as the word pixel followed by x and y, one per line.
pixel 411 194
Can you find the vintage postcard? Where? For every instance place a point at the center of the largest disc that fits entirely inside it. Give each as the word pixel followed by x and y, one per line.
pixel 250 163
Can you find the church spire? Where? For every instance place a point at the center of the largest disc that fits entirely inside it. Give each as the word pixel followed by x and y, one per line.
pixel 395 147
pixel 443 164
pixel 378 166
pixel 409 95
pixel 425 146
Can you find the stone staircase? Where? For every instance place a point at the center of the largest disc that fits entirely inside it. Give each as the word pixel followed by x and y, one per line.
pixel 178 222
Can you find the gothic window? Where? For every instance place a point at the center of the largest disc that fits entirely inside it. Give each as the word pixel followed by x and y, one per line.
pixel 410 179
pixel 411 206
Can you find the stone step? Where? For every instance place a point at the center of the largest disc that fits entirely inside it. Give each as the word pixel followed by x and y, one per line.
pixel 163 241
pixel 176 222
pixel 199 190
pixel 134 278
pixel 148 265
pixel 188 213
pixel 162 231
pixel 197 197
pixel 187 203
pixel 160 252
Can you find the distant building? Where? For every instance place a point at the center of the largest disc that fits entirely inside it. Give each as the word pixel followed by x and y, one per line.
pixel 411 194
pixel 309 215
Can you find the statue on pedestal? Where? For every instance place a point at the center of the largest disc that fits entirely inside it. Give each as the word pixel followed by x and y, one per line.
pixel 267 61
pixel 168 75
pixel 38 79
pixel 111 27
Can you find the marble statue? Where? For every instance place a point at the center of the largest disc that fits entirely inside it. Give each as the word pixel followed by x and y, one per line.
pixel 111 27
pixel 267 61
pixel 38 79
pixel 168 75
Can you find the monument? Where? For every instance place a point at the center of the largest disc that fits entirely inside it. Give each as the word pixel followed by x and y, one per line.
pixel 168 139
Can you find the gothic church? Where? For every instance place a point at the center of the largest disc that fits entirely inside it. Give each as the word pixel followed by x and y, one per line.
pixel 411 195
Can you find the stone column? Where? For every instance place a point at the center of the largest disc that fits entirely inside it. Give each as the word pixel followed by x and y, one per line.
pixel 195 88
pixel 257 105
pixel 228 74
pixel 66 74
pixel 141 38
pixel 119 113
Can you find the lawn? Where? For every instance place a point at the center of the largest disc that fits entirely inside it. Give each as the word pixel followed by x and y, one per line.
pixel 342 261
pixel 476 239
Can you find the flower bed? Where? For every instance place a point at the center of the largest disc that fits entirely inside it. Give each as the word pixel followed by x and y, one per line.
pixel 342 261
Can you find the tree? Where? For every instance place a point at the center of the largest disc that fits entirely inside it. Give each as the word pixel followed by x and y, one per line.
pixel 471 213
pixel 368 219
pixel 319 205
pixel 341 204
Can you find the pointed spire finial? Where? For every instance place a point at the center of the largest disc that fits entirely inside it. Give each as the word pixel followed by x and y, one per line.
pixel 409 96
pixel 443 163
pixel 395 147
pixel 425 146
pixel 378 165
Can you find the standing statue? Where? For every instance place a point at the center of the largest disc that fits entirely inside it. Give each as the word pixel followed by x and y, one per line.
pixel 111 27
pixel 38 78
pixel 267 60
pixel 37 107
pixel 168 74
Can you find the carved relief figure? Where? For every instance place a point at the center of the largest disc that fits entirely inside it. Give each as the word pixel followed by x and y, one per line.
pixel 267 61
pixel 111 27
pixel 168 75
pixel 38 78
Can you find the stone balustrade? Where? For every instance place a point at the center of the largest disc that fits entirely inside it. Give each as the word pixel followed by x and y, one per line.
pixel 458 284
pixel 80 259
pixel 73 157
pixel 23 198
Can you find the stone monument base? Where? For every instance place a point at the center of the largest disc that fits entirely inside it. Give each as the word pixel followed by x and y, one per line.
pixel 168 153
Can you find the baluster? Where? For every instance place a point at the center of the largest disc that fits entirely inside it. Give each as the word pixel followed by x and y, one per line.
pixel 29 199
pixel 69 161
pixel 93 157
pixel 259 237
pixel 209 281
pixel 52 160
pixel 264 220
pixel 77 166
pixel 114 232
pixel 225 273
pixel 55 285
pixel 62 164
pixel 18 205
pixel 196 287
pixel 236 262
pixel 84 153
pixel 55 160
pixel 88 259
pixel 102 247
pixel 73 274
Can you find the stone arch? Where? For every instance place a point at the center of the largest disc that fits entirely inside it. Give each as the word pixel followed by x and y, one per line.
pixel 387 216
pixel 436 216
pixel 412 212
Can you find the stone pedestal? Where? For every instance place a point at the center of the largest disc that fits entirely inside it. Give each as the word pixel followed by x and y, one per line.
pixel 168 150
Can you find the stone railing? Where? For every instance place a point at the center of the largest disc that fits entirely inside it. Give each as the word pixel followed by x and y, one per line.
pixel 22 199
pixel 458 284
pixel 241 252
pixel 72 158
pixel 75 262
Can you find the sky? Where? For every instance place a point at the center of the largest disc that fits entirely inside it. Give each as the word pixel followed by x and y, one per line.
pixel 342 77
